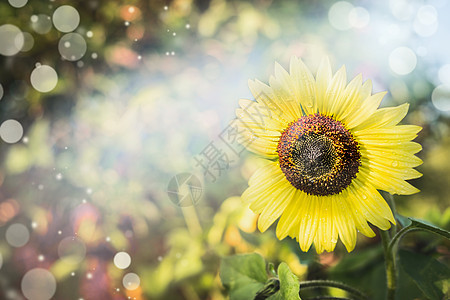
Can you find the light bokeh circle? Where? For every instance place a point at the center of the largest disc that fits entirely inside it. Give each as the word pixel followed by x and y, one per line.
pixel 72 46
pixel 443 74
pixel 131 281
pixel 122 260
pixel 17 3
pixel 41 23
pixel 427 15
pixel 44 78
pixel 38 284
pixel 28 42
pixel 66 18
pixel 425 30
pixel 338 15
pixel 440 97
pixel 11 131
pixel 402 60
pixel 11 40
pixel 403 10
pixel 17 235
pixel 359 17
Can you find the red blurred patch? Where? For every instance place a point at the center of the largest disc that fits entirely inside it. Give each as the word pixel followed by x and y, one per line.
pixel 123 56
pixel 130 13
pixel 8 210
pixel 135 32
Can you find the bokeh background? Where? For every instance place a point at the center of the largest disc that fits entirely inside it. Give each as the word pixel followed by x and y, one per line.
pixel 105 106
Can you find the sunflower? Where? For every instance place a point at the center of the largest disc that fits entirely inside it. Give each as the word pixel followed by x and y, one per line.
pixel 328 149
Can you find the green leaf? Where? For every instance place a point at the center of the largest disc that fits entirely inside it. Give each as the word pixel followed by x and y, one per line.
pixel 416 223
pixel 426 272
pixel 404 221
pixel 289 284
pixel 243 275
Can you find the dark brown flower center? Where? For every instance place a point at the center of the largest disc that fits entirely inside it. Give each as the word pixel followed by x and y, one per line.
pixel 318 155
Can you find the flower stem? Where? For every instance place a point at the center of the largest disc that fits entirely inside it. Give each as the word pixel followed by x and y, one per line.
pixel 328 298
pixel 390 249
pixel 191 218
pixel 398 236
pixel 391 203
pixel 329 283
pixel 391 272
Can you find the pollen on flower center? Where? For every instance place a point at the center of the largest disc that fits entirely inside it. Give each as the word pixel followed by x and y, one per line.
pixel 314 154
pixel 318 155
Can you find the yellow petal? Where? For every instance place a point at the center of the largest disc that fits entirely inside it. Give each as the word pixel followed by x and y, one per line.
pixel 365 207
pixel 397 158
pixel 389 184
pixel 264 198
pixel 392 135
pixel 309 221
pixel 344 223
pixel 282 87
pixel 267 97
pixel 261 114
pixel 269 177
pixel 290 221
pixel 275 208
pixel 260 145
pixel 351 98
pixel 353 199
pixel 367 108
pixel 371 203
pixel 366 89
pixel 327 234
pixel 303 85
pixel 384 117
pixel 323 79
pixel 265 172
pixel 384 168
pixel 335 91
